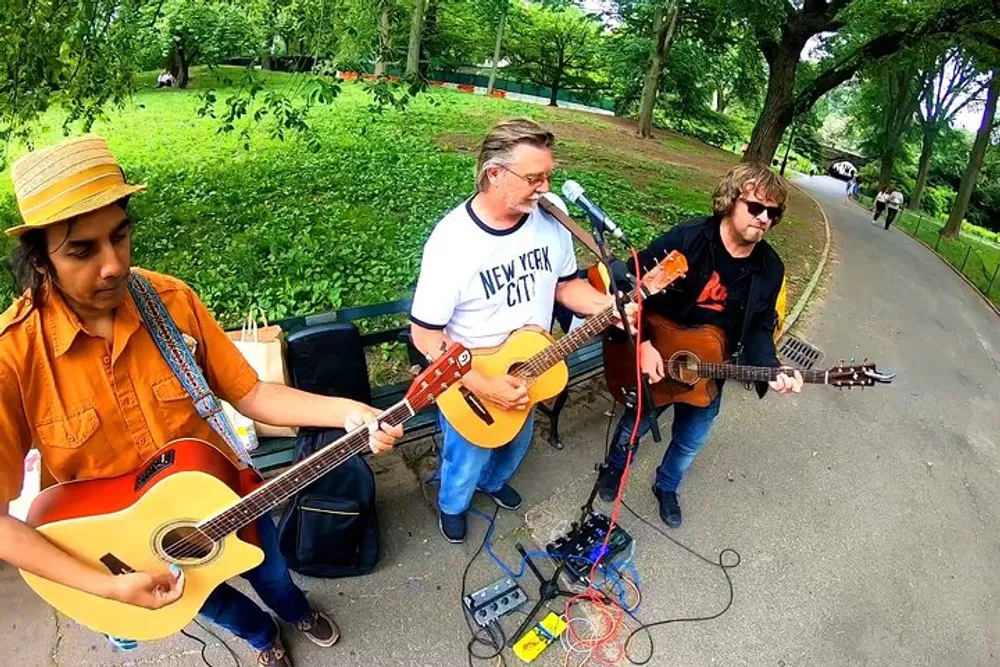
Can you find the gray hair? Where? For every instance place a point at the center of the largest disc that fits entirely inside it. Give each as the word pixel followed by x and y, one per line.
pixel 503 138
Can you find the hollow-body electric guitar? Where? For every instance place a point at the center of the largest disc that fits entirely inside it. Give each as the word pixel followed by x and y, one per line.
pixel 184 506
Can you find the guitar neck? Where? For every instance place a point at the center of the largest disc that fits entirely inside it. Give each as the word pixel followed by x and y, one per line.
pixel 569 343
pixel 754 373
pixel 284 486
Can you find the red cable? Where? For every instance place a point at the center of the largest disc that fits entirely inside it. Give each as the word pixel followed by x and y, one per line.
pixel 615 614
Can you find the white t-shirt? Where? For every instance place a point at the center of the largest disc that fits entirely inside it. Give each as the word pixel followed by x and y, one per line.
pixel 480 284
pixel 895 199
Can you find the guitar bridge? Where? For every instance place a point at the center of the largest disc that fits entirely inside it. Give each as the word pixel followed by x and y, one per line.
pixel 476 406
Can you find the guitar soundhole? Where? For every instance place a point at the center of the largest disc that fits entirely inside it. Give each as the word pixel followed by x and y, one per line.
pixel 683 367
pixel 186 544
pixel 513 370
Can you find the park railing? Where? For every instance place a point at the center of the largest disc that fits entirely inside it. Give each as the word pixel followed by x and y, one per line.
pixel 978 259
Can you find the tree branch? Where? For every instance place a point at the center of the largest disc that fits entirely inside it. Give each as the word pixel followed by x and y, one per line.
pixel 945 21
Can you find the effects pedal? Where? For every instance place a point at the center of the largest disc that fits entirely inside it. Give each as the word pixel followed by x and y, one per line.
pixel 580 547
pixel 488 604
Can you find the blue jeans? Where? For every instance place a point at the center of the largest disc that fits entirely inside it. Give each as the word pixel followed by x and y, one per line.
pixel 464 466
pixel 271 580
pixel 689 434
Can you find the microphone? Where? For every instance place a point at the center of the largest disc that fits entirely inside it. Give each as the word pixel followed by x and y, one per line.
pixel 574 192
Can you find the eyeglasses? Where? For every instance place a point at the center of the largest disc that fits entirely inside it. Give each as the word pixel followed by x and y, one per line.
pixel 755 208
pixel 534 180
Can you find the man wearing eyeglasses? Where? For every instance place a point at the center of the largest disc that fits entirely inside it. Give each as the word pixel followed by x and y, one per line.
pixel 733 282
pixel 493 265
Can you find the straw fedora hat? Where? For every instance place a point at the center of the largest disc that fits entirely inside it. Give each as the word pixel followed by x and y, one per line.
pixel 59 182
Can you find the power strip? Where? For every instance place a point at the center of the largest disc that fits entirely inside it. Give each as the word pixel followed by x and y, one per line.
pixel 488 604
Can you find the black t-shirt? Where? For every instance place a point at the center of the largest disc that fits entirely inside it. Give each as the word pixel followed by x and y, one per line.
pixel 723 300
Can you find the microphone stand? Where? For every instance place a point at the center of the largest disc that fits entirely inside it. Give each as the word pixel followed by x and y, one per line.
pixel 647 394
pixel 549 588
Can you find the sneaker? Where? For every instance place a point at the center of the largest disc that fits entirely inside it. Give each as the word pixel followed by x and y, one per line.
pixel 452 527
pixel 276 656
pixel 506 497
pixel 670 509
pixel 607 484
pixel 320 629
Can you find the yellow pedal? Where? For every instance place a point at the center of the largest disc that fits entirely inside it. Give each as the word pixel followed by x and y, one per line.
pixel 538 638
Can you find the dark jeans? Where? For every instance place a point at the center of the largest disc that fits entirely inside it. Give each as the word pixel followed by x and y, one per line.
pixel 890 215
pixel 689 434
pixel 879 207
pixel 271 580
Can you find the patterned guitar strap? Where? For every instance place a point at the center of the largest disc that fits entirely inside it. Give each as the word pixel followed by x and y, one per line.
pixel 167 337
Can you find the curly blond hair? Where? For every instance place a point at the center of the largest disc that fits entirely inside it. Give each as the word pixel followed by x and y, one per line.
pixel 747 178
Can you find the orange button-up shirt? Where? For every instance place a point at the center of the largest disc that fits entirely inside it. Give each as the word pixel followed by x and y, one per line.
pixel 96 408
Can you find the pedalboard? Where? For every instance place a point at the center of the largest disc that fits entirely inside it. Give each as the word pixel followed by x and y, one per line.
pixel 580 547
pixel 488 604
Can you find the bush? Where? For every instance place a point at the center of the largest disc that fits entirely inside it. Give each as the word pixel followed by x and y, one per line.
pixel 713 128
pixel 938 201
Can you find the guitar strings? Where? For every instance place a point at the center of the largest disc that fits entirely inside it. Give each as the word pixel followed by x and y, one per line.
pixel 315 466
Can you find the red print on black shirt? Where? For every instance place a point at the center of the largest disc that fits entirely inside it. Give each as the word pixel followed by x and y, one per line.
pixel 713 297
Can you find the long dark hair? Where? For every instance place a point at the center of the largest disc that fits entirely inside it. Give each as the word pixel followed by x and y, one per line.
pixel 29 262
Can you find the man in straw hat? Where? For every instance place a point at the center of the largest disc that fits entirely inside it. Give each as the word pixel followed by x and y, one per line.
pixel 83 380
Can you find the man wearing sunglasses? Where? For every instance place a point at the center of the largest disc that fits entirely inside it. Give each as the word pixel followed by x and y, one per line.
pixel 733 282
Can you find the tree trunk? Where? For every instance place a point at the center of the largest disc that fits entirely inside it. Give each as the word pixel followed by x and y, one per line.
pixel 720 100
pixel 916 197
pixel 430 31
pixel 384 47
pixel 886 165
pixel 778 109
pixel 954 224
pixel 180 60
pixel 416 34
pixel 899 113
pixel 553 102
pixel 496 51
pixel 664 27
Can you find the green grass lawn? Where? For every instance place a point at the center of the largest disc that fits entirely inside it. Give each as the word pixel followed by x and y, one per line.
pixel 298 232
pixel 976 257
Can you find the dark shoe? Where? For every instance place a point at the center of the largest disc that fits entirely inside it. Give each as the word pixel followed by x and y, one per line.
pixel 608 482
pixel 276 656
pixel 506 497
pixel 452 527
pixel 320 629
pixel 670 509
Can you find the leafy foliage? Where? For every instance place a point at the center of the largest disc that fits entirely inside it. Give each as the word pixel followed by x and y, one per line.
pixel 297 231
pixel 556 48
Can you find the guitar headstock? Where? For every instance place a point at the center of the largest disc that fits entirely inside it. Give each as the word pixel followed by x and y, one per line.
pixel 669 269
pixel 857 375
pixel 443 372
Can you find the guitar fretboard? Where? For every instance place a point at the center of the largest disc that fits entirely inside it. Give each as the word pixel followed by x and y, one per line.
pixel 746 373
pixel 569 343
pixel 288 483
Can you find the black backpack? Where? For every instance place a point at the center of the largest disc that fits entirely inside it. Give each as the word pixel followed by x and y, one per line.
pixel 330 528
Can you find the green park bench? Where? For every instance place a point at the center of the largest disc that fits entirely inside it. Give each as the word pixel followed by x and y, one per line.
pixel 326 349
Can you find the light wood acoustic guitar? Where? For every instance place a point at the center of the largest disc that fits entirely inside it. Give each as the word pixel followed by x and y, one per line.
pixel 184 506
pixel 534 355
pixel 694 357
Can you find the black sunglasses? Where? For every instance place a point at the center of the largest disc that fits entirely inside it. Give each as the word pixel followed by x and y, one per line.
pixel 755 208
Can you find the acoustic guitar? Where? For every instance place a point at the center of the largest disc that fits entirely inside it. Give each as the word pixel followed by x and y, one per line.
pixel 694 357
pixel 532 354
pixel 185 506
